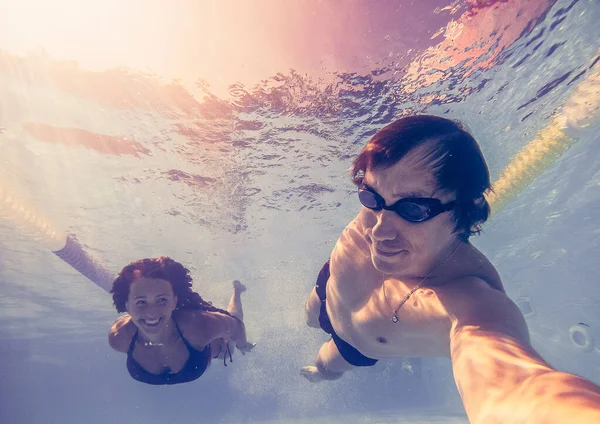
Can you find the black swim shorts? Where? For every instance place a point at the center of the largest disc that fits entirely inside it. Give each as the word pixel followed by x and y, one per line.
pixel 348 352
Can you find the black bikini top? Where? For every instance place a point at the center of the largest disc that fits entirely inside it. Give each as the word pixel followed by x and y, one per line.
pixel 192 370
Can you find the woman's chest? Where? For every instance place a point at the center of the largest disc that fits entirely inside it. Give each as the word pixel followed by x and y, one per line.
pixel 159 360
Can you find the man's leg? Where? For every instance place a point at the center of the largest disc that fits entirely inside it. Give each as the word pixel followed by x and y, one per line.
pixel 329 364
pixel 313 309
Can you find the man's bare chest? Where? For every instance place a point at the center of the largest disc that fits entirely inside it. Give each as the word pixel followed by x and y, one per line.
pixel 422 325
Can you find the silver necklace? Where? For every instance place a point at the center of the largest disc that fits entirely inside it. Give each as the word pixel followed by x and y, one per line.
pixel 148 343
pixel 415 288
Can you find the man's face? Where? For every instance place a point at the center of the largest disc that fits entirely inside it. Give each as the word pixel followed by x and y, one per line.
pixel 398 246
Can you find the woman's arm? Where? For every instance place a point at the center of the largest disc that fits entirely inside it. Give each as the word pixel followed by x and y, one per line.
pixel 121 333
pixel 499 375
pixel 203 327
pixel 228 327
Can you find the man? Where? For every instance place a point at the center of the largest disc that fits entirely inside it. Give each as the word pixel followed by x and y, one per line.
pixel 404 281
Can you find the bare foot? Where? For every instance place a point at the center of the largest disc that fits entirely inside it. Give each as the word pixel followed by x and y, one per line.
pixel 311 373
pixel 238 287
pixel 407 367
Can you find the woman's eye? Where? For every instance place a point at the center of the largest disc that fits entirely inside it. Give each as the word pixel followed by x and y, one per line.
pixel 162 301
pixel 140 303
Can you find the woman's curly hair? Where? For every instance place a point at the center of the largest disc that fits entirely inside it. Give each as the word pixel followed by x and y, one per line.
pixel 164 268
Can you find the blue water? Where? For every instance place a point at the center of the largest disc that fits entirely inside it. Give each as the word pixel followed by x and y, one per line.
pixel 254 186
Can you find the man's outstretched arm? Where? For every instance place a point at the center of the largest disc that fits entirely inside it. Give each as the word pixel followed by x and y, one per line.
pixel 500 377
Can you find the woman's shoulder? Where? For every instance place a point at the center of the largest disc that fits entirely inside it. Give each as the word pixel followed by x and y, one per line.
pixel 121 333
pixel 198 319
pixel 199 326
pixel 196 316
pixel 187 317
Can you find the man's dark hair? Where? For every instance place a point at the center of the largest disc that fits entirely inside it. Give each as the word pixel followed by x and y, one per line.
pixel 455 157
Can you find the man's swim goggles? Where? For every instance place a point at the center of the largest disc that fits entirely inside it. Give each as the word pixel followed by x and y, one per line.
pixel 412 209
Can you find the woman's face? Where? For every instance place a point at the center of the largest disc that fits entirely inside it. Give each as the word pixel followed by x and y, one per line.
pixel 150 304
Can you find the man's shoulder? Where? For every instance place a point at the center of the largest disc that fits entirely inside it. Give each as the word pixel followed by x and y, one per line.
pixel 470 300
pixel 465 287
pixel 469 289
pixel 481 267
pixel 352 243
pixel 353 231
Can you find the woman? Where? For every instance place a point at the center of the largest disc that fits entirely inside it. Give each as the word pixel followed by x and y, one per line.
pixel 169 332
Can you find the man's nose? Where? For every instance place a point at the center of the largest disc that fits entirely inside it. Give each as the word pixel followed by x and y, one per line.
pixel 384 227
